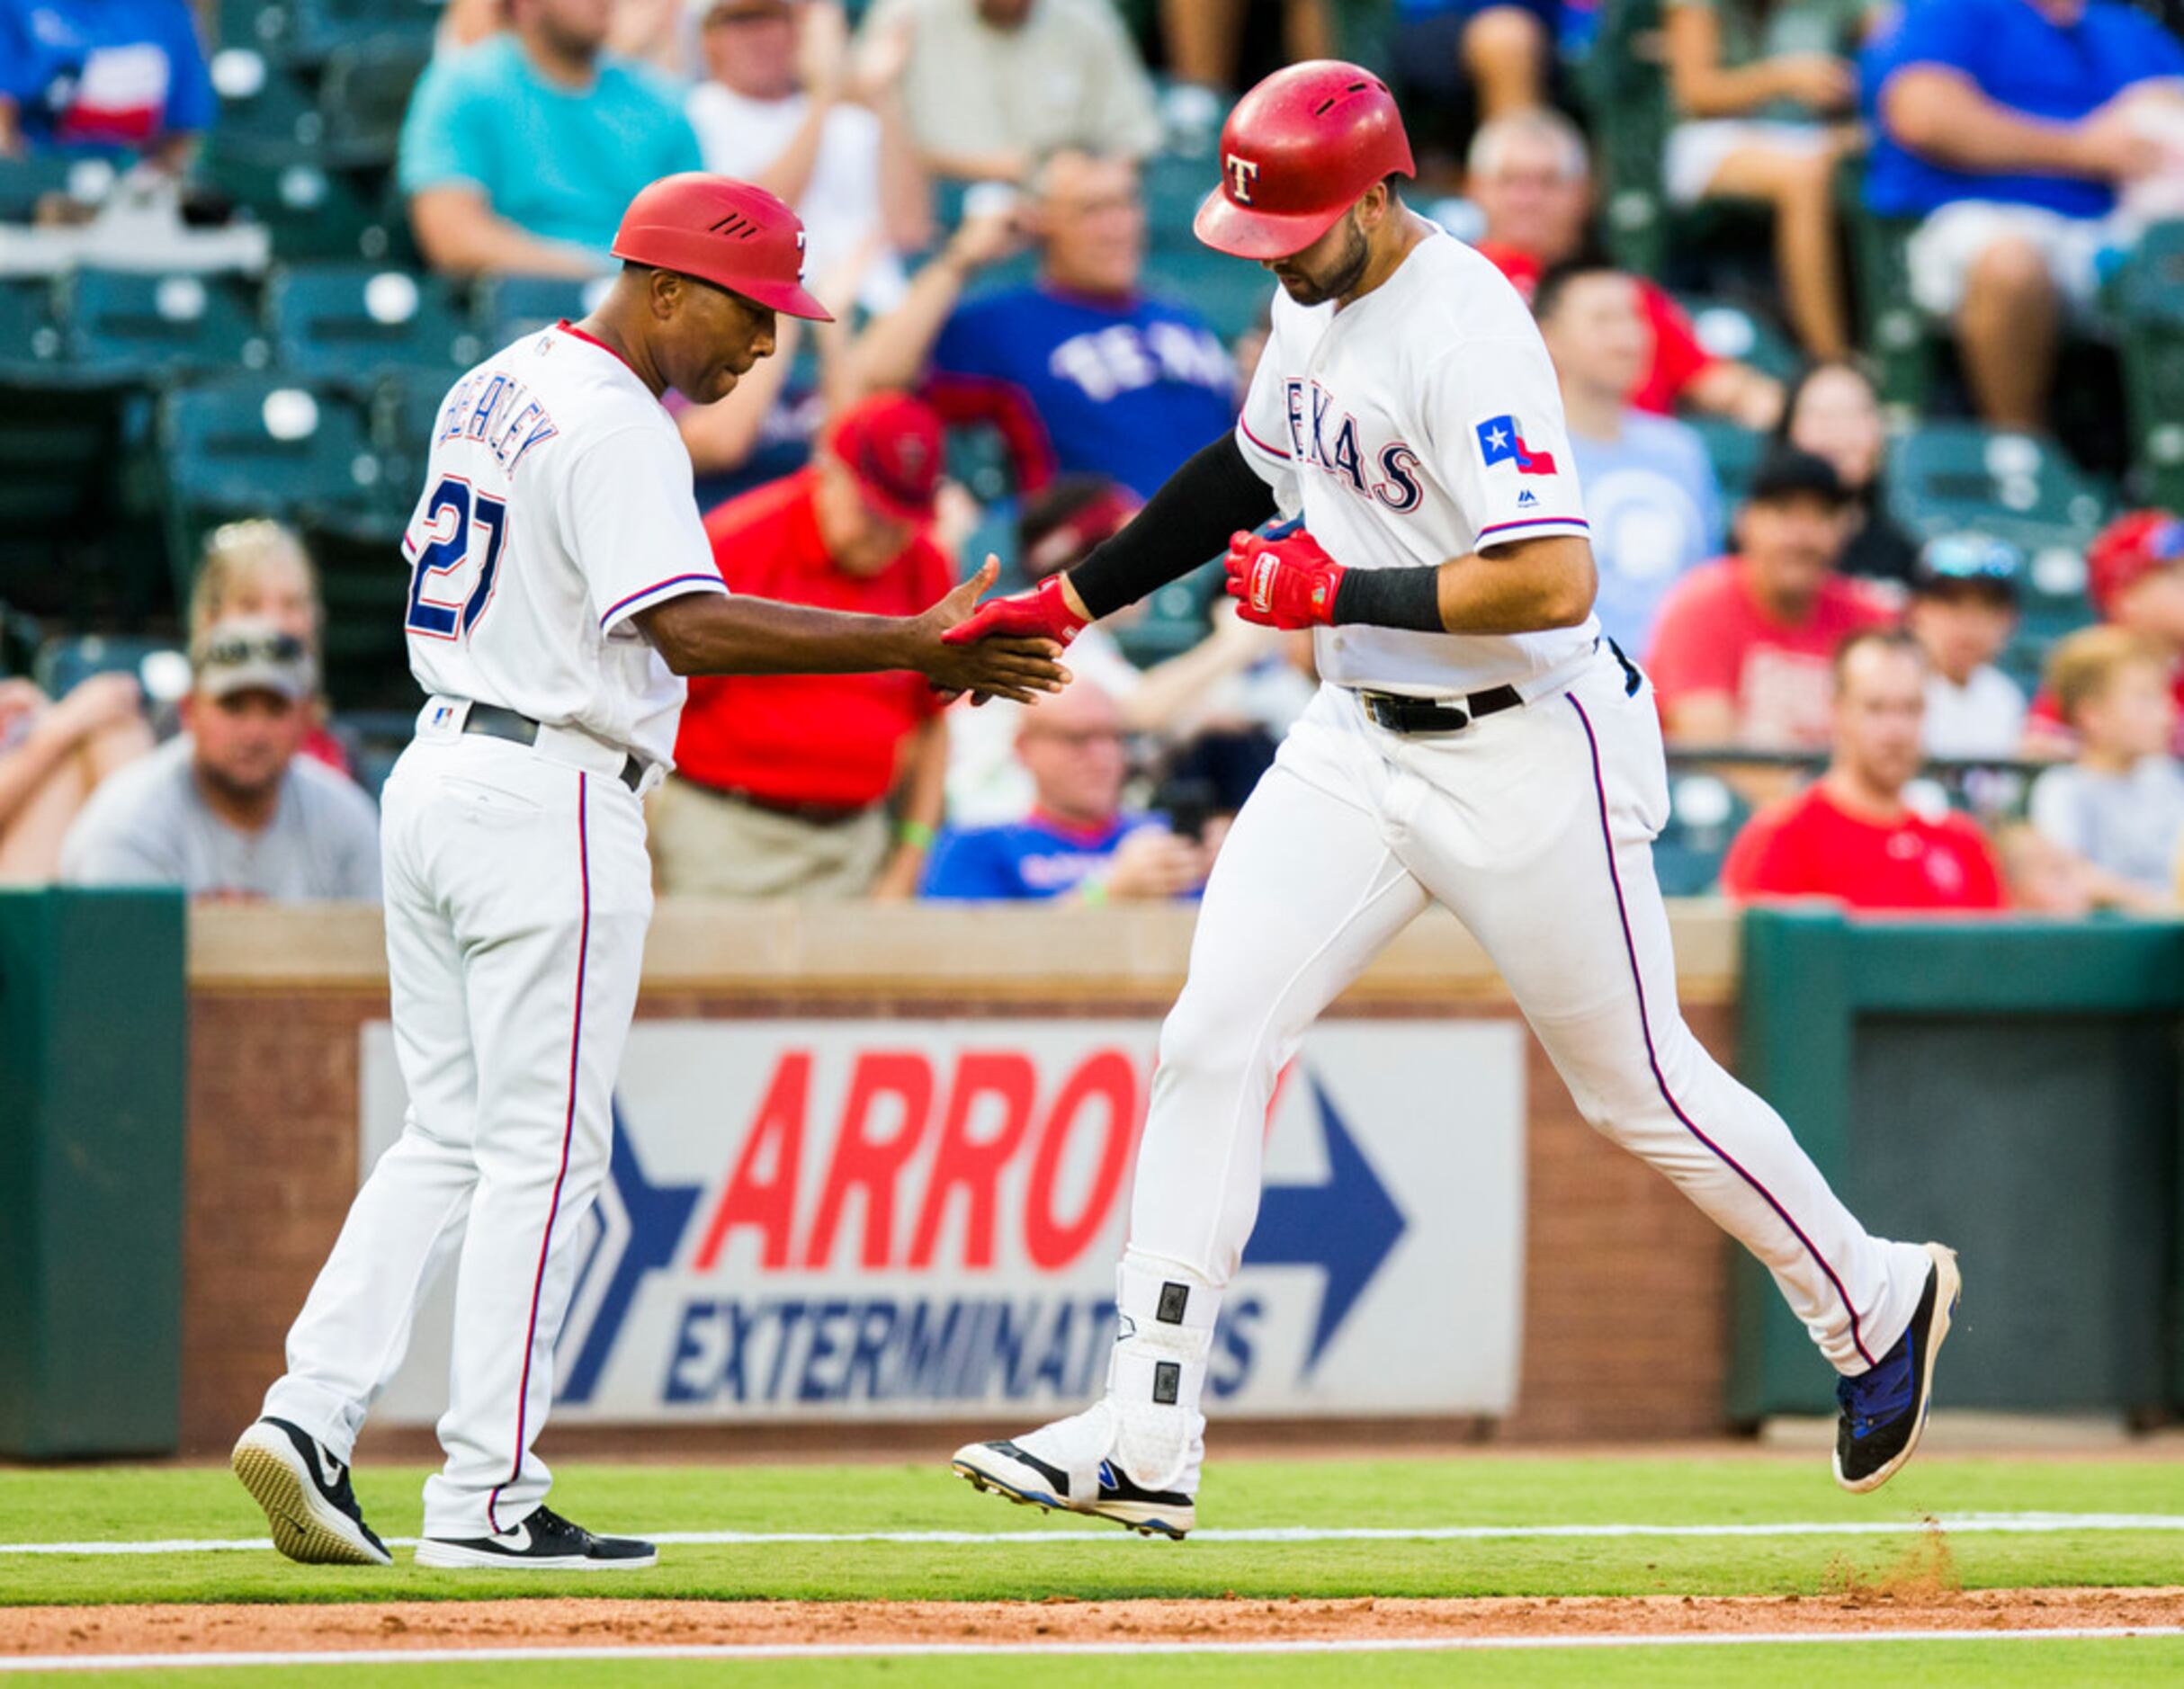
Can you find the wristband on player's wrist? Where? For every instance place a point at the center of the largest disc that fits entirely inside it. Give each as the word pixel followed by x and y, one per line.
pixel 1390 598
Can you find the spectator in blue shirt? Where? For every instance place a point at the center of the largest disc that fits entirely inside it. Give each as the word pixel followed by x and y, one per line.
pixel 520 155
pixel 2007 126
pixel 1078 842
pixel 1080 371
pixel 122 77
pixel 1650 489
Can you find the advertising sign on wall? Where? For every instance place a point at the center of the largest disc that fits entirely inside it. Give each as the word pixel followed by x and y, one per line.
pixel 920 1220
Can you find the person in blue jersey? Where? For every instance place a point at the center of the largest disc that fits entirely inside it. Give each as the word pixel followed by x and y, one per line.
pixel 1080 370
pixel 519 154
pixel 1078 842
pixel 2007 128
pixel 119 77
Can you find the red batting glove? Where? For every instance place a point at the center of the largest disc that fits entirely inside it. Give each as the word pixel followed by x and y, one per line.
pixel 1041 614
pixel 1287 583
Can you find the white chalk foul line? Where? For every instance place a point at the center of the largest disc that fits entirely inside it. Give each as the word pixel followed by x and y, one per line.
pixel 2005 1523
pixel 747 1651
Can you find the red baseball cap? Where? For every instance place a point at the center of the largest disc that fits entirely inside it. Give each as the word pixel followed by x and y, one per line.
pixel 2127 551
pixel 891 444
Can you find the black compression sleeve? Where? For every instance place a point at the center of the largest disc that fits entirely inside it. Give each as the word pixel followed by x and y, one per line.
pixel 1392 598
pixel 1189 520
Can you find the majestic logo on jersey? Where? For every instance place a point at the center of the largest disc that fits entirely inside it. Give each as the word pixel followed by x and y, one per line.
pixel 1241 173
pixel 1501 442
pixel 1320 435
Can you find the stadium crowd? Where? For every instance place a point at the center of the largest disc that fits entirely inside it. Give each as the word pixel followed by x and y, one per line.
pixel 1896 229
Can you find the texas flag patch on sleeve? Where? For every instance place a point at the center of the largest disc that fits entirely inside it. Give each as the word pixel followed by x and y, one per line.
pixel 1500 441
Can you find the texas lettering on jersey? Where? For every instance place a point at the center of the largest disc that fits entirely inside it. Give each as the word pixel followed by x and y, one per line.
pixel 1319 434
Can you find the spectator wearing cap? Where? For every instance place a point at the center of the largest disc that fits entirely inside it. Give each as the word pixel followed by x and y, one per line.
pixel 1079 369
pixel 1529 177
pixel 1833 412
pixel 1650 498
pixel 520 155
pixel 780 108
pixel 259 568
pixel 227 808
pixel 1851 834
pixel 1078 842
pixel 2134 573
pixel 1964 608
pixel 1742 653
pixel 2007 128
pixel 2118 805
pixel 125 78
pixel 784 782
pixel 1232 684
pixel 991 86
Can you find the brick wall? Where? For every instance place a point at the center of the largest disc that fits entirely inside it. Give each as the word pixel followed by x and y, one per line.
pixel 1626 1284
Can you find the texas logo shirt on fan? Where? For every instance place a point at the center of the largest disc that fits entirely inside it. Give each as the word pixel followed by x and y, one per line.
pixel 1420 422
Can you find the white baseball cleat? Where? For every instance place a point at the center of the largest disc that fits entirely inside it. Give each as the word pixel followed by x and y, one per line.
pixel 1071 1464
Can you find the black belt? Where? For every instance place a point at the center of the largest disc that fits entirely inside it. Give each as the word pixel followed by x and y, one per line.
pixel 1399 714
pixel 507 724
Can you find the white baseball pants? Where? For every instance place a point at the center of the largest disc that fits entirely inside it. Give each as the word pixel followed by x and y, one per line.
pixel 1535 827
pixel 517 895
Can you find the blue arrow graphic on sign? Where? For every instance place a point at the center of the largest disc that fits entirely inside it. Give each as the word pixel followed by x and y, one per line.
pixel 656 1216
pixel 1347 1225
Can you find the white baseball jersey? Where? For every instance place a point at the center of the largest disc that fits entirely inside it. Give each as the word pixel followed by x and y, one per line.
pixel 556 504
pixel 1414 425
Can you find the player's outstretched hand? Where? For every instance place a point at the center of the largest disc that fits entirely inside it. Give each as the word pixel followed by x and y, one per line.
pixel 1043 612
pixel 1009 661
pixel 1285 583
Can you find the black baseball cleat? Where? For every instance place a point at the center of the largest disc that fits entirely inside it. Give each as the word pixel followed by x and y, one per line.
pixel 543 1542
pixel 306 1495
pixel 1885 1408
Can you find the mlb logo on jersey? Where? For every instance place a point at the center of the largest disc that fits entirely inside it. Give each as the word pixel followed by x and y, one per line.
pixel 1500 441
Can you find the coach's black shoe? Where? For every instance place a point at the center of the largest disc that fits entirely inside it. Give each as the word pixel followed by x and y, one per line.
pixel 1884 1409
pixel 306 1495
pixel 543 1542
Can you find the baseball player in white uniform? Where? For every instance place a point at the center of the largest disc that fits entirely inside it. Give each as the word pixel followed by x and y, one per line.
pixel 561 586
pixel 1474 743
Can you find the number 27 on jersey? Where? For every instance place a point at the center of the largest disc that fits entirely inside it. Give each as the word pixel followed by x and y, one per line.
pixel 454 546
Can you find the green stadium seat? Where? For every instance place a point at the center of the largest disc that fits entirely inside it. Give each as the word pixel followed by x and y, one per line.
pixel 1232 294
pixel 1626 94
pixel 34 347
pixel 66 662
pixel 508 307
pixel 364 94
pixel 262 101
pixel 324 28
pixel 2147 299
pixel 1894 335
pixel 1175 618
pixel 123 325
pixel 1735 450
pixel 1730 330
pixel 25 182
pixel 356 324
pixel 1705 817
pixel 263 445
pixel 310 209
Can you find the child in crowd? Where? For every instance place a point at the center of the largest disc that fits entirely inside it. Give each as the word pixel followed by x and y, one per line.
pixel 2119 805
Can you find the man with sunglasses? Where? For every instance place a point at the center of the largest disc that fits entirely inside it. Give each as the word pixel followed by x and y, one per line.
pixel 561 588
pixel 227 809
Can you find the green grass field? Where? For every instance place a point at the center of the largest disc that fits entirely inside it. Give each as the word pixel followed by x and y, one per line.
pixel 1522 1493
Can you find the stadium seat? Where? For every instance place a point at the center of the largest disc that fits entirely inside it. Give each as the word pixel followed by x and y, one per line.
pixel 1626 93
pixel 364 94
pixel 33 346
pixel 1705 815
pixel 1735 450
pixel 1730 330
pixel 507 308
pixel 26 182
pixel 2146 298
pixel 64 662
pixel 323 28
pixel 123 325
pixel 1898 342
pixel 261 445
pixel 262 101
pixel 1232 294
pixel 355 324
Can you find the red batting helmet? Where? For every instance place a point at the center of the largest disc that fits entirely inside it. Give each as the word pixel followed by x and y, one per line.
pixel 722 231
pixel 1296 153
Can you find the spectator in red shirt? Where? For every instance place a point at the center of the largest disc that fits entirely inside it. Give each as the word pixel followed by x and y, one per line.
pixel 1529 177
pixel 1741 654
pixel 2134 571
pixel 1851 835
pixel 784 782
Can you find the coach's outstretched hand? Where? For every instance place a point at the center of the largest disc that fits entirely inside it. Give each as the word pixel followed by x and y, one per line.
pixel 986 655
pixel 1043 612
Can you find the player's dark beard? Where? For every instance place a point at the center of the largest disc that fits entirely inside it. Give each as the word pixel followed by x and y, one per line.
pixel 1348 271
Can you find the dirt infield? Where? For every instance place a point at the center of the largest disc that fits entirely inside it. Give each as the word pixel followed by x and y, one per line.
pixel 518 1622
